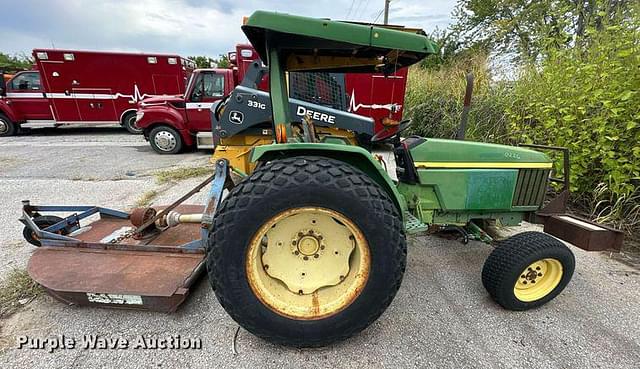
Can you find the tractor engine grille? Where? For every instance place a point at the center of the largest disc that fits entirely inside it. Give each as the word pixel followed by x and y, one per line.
pixel 530 187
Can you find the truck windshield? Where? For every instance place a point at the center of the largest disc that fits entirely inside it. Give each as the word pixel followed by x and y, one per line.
pixel 26 81
pixel 208 85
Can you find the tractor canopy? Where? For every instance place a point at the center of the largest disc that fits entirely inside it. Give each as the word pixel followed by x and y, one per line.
pixel 312 44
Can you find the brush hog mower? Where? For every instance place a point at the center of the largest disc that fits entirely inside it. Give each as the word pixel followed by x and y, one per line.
pixel 310 248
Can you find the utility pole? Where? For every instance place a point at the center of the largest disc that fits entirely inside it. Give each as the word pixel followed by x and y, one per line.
pixel 386 11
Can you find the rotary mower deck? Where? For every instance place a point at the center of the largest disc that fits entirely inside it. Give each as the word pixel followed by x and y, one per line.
pixel 138 260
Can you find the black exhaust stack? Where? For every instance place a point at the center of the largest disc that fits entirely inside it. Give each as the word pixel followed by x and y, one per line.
pixel 466 107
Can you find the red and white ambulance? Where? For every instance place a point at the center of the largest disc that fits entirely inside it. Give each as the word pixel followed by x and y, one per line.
pixel 87 87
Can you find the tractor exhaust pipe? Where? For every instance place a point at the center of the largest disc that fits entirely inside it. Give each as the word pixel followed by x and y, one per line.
pixel 462 130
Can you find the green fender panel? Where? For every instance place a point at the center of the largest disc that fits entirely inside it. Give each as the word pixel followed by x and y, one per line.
pixel 353 155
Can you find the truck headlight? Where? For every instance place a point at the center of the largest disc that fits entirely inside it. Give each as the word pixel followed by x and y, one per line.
pixel 139 115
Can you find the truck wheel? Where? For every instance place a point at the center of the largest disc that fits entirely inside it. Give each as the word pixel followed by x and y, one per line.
pixel 129 123
pixel 165 140
pixel 7 127
pixel 42 222
pixel 527 270
pixel 306 251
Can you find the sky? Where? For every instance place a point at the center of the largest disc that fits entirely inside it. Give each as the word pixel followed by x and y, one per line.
pixel 184 27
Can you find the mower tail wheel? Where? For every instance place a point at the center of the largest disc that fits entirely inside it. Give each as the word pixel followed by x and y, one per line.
pixel 527 270
pixel 42 222
pixel 306 251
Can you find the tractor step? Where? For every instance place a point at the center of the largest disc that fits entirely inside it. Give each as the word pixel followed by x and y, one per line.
pixel 413 225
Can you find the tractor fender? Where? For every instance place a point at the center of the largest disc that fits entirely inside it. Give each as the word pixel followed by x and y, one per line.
pixel 353 155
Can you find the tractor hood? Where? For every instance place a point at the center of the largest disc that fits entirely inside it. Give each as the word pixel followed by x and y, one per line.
pixel 326 45
pixel 439 153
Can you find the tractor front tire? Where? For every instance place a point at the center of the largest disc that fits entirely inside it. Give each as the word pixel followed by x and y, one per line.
pixel 306 251
pixel 527 270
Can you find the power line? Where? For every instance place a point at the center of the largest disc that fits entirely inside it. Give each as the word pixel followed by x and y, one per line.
pixel 355 13
pixel 350 9
pixel 378 16
pixel 364 10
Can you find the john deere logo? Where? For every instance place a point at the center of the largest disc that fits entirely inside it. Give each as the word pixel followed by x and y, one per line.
pixel 236 117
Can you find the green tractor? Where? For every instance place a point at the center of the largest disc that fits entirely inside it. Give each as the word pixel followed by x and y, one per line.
pixel 311 248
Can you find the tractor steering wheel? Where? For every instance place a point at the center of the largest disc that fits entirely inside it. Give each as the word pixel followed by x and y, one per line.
pixel 388 132
pixel 220 107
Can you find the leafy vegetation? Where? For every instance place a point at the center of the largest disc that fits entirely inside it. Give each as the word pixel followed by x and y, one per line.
pixel 207 62
pixel 576 84
pixel 15 63
pixel 588 99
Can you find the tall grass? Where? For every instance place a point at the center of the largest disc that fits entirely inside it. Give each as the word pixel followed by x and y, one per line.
pixel 435 97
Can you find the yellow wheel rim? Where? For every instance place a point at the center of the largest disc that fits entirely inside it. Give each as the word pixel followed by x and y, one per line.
pixel 538 280
pixel 308 263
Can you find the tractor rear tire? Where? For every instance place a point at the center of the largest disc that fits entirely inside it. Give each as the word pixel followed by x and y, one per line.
pixel 527 270
pixel 7 127
pixel 291 186
pixel 42 222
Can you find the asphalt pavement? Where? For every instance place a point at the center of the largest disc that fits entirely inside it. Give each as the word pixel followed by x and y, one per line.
pixel 442 317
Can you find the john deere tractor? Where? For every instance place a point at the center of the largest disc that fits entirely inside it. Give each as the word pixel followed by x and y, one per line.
pixel 311 247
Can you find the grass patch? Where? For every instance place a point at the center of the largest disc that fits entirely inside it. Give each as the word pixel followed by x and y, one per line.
pixel 180 174
pixel 146 198
pixel 16 290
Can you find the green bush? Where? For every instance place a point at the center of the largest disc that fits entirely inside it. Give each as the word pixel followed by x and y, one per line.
pixel 587 99
pixel 585 96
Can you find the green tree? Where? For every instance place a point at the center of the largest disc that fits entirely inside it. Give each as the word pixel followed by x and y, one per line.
pixel 208 62
pixel 15 63
pixel 530 28
pixel 203 61
pixel 223 61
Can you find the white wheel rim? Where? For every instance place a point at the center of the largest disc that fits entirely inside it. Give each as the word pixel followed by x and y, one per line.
pixel 165 140
pixel 4 127
pixel 133 125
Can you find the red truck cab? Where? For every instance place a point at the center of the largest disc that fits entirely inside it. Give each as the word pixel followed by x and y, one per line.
pixel 173 123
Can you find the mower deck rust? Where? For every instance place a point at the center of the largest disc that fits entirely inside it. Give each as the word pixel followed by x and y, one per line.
pixel 152 273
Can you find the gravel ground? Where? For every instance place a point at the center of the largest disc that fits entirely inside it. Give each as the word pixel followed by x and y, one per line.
pixel 441 317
